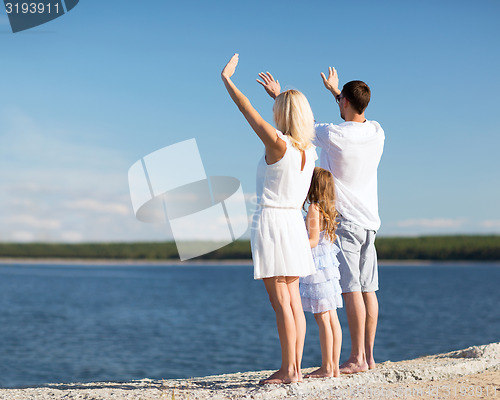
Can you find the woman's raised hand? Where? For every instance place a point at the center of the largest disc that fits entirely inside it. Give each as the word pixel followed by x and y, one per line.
pixel 230 67
pixel 272 87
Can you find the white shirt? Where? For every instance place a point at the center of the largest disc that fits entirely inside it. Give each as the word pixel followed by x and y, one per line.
pixel 351 151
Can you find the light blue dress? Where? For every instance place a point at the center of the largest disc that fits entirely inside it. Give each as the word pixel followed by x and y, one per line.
pixel 321 291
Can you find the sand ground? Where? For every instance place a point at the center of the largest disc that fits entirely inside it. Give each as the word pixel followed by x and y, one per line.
pixel 472 373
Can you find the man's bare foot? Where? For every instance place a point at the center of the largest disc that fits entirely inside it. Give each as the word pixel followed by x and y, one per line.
pixel 320 373
pixel 350 367
pixel 280 377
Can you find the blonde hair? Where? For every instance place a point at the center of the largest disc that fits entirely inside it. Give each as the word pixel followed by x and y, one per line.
pixel 322 193
pixel 293 117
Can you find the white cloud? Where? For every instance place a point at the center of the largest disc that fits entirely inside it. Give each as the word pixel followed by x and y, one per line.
pixel 22 236
pixel 32 221
pixel 432 223
pixel 57 188
pixel 439 226
pixel 69 236
pixel 491 223
pixel 99 206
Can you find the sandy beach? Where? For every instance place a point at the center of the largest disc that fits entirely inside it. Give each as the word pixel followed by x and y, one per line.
pixel 472 373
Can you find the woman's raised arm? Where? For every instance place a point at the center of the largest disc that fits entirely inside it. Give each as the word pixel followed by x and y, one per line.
pixel 275 147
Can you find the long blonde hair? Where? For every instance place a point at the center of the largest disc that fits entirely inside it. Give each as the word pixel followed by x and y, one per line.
pixel 322 193
pixel 293 117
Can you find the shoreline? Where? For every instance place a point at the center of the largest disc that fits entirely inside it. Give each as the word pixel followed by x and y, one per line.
pixel 221 262
pixel 443 376
pixel 125 261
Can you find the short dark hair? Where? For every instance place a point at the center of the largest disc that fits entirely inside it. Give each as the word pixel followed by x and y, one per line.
pixel 358 93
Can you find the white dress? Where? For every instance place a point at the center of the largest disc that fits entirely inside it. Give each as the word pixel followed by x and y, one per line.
pixel 280 244
pixel 321 291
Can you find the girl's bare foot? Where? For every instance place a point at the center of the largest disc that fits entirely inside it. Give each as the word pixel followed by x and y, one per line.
pixel 320 373
pixel 371 363
pixel 280 377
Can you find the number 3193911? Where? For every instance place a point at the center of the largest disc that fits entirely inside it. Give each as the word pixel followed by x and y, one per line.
pixel 32 8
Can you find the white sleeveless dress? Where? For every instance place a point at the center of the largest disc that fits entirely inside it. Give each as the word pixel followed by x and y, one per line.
pixel 280 244
pixel 321 292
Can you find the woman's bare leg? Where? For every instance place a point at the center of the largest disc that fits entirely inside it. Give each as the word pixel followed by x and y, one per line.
pixel 300 320
pixel 279 295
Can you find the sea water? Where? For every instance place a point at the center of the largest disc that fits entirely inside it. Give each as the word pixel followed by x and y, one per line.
pixel 78 323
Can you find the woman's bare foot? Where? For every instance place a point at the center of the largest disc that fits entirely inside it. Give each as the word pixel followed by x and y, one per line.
pixel 320 373
pixel 371 363
pixel 353 367
pixel 280 377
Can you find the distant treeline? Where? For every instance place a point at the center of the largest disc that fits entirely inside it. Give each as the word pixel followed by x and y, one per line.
pixel 480 248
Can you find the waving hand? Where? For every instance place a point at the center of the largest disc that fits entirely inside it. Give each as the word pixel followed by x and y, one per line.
pixel 332 83
pixel 272 86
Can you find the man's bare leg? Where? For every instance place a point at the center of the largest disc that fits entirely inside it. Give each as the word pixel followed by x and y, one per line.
pixel 356 318
pixel 371 307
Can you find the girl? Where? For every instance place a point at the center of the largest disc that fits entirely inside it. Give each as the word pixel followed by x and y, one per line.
pixel 321 293
pixel 280 247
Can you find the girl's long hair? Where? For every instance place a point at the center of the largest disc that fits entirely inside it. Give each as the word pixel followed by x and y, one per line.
pixel 293 117
pixel 322 193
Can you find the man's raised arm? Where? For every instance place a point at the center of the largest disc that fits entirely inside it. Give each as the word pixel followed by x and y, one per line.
pixel 272 87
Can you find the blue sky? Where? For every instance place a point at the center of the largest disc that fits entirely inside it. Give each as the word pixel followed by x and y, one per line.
pixel 85 96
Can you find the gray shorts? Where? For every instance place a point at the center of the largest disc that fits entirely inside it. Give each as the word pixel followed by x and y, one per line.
pixel 357 258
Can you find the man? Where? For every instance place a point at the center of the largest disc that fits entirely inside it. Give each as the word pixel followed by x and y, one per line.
pixel 352 152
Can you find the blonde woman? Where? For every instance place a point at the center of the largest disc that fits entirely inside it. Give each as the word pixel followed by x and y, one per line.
pixel 280 245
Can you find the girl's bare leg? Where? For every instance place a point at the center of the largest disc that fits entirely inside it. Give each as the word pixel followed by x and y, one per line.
pixel 337 341
pixel 326 342
pixel 300 320
pixel 278 291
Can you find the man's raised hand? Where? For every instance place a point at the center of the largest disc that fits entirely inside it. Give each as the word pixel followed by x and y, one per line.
pixel 332 83
pixel 272 87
